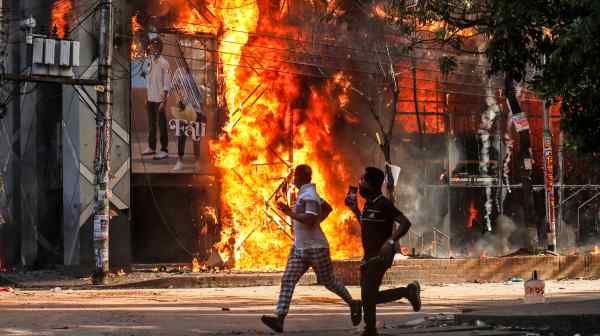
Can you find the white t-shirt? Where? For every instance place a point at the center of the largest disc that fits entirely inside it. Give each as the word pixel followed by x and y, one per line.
pixel 308 236
pixel 158 79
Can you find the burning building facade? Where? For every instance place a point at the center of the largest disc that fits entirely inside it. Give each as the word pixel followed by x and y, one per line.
pixel 336 86
pixel 310 83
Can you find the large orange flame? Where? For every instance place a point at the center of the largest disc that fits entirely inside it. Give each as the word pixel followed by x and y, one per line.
pixel 277 119
pixel 60 11
pixel 265 109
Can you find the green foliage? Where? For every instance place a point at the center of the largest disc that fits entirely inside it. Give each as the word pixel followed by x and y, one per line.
pixel 572 73
pixel 523 33
pixel 514 29
pixel 520 35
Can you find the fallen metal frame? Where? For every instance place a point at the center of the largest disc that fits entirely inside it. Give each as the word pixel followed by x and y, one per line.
pixel 266 212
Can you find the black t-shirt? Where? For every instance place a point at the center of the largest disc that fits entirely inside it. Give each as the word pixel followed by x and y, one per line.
pixel 377 224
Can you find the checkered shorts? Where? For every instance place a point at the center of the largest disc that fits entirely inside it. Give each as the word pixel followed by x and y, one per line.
pixel 298 263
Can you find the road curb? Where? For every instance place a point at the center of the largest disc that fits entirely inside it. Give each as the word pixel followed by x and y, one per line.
pixel 249 280
pixel 571 324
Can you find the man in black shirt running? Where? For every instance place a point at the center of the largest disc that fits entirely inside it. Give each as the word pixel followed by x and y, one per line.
pixel 382 225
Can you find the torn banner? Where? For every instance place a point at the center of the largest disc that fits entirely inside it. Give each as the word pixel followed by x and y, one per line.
pixel 395 173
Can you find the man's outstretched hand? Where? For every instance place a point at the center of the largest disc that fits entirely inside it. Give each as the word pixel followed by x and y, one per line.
pixel 284 208
pixel 350 202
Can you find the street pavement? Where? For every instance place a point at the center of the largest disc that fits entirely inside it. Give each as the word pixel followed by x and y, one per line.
pixel 236 311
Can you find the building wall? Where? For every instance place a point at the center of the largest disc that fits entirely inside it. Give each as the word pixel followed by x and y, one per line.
pixel 47 149
pixel 31 160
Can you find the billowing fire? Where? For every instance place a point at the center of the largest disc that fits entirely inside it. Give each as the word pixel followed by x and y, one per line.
pixel 254 152
pixel 278 118
pixel 60 11
pixel 251 153
pixel 191 21
pixel 595 250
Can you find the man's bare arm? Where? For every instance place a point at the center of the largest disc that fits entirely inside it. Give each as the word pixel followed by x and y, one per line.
pixel 305 218
pixel 401 227
pixel 310 216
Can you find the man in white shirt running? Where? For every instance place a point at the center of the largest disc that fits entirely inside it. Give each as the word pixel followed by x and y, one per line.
pixel 158 85
pixel 310 249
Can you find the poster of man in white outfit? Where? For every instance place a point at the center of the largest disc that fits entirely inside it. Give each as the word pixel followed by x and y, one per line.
pixel 174 112
pixel 158 85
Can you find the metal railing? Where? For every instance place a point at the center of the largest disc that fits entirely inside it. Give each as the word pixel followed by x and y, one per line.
pixel 416 242
pixel 437 234
pixel 581 206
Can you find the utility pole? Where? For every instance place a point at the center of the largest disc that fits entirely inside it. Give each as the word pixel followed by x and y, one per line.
pixel 549 181
pixel 549 194
pixel 561 181
pixel 103 143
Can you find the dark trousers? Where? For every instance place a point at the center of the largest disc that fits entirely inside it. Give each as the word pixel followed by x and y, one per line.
pixel 153 114
pixel 181 145
pixel 371 275
pixel 183 138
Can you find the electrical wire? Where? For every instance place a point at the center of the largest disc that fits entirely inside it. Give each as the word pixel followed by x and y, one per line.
pixel 329 68
pixel 349 70
pixel 293 41
pixel 322 56
pixel 330 77
pixel 329 56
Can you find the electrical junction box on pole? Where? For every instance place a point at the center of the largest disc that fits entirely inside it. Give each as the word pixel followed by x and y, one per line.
pixel 54 57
